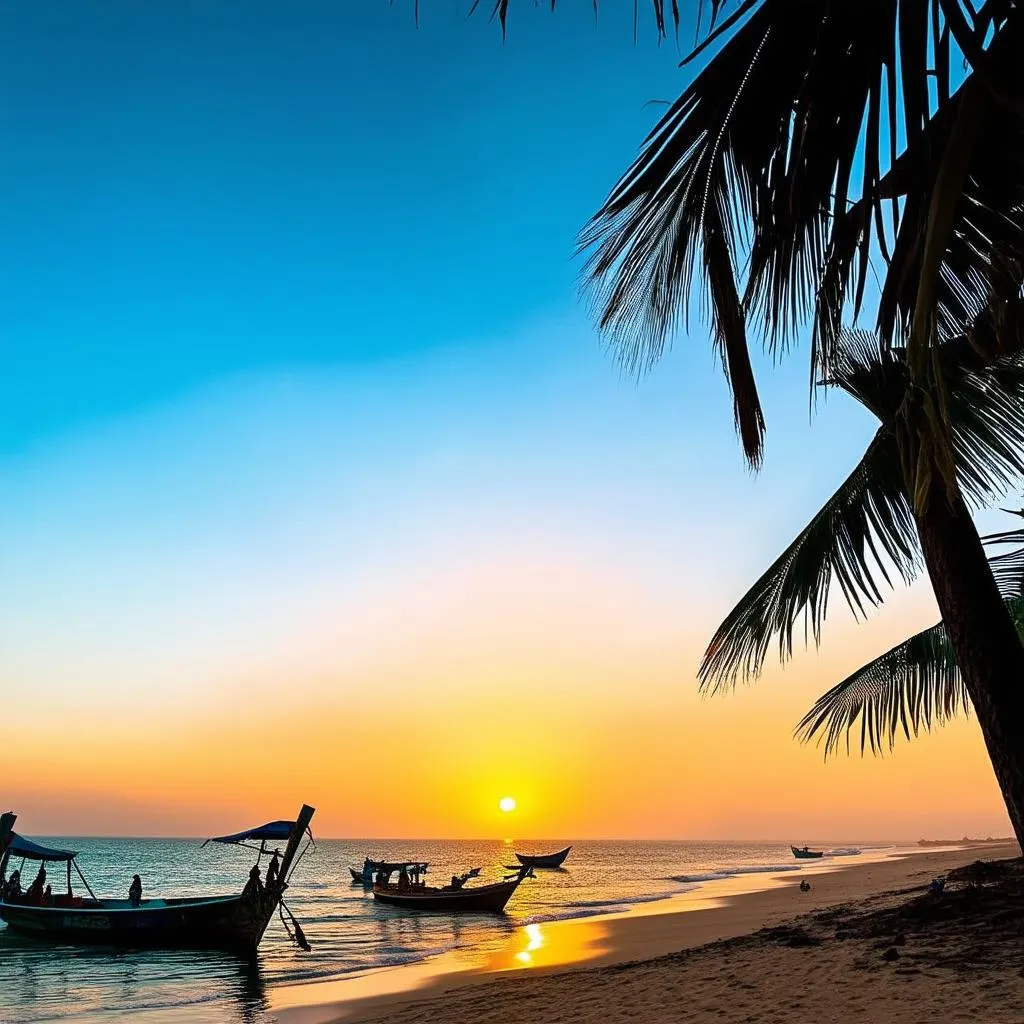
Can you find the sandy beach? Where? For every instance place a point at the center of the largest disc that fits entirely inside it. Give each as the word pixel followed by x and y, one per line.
pixel 866 943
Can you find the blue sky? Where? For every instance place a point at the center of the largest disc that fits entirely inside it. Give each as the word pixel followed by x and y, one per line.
pixel 292 339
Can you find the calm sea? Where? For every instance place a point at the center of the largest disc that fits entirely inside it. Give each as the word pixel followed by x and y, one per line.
pixel 347 929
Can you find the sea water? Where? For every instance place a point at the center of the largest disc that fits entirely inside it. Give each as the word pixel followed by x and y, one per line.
pixel 347 929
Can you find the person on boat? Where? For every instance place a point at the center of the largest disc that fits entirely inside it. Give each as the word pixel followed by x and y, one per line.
pixel 12 891
pixel 135 891
pixel 273 868
pixel 403 879
pixel 35 890
pixel 48 895
pixel 254 887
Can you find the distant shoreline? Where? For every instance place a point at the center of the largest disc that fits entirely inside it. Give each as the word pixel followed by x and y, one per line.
pixel 573 952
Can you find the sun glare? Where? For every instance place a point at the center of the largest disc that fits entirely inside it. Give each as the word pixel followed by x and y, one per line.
pixel 507 804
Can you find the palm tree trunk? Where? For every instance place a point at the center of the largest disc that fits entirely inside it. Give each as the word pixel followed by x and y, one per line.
pixel 984 639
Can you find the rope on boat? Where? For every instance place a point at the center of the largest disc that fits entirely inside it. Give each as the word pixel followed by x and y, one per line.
pixel 299 937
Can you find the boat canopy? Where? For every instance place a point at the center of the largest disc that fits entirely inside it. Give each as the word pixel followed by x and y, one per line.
pixel 272 830
pixel 19 846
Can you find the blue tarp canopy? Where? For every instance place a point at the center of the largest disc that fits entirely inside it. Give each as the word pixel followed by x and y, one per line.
pixel 272 830
pixel 22 847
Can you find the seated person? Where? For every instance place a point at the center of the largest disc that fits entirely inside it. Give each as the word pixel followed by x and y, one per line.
pixel 254 887
pixel 135 891
pixel 35 890
pixel 273 869
pixel 12 891
pixel 48 895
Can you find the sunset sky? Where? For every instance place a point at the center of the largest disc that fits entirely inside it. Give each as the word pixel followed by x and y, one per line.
pixel 317 484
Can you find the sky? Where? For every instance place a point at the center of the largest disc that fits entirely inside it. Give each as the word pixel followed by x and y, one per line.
pixel 317 483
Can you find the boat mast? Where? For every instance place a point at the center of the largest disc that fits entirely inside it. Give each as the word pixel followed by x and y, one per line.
pixel 301 824
pixel 7 820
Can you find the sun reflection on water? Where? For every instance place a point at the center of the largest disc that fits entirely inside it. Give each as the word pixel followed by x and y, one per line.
pixel 535 939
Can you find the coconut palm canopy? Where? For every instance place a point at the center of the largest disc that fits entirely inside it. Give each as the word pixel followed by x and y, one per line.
pixel 865 536
pixel 815 137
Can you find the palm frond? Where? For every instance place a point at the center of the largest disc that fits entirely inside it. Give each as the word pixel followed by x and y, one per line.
pixel 1008 567
pixel 866 528
pixel 909 688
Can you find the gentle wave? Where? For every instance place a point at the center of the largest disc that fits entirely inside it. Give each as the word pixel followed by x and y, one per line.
pixel 739 869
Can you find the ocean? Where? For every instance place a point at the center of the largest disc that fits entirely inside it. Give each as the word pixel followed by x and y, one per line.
pixel 348 931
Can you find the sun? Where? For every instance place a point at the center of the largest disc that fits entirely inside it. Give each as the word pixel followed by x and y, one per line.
pixel 506 804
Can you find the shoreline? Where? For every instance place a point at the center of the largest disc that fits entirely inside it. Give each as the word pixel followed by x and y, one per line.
pixel 717 911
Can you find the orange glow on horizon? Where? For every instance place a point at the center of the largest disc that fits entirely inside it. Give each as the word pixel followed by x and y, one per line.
pixel 594 740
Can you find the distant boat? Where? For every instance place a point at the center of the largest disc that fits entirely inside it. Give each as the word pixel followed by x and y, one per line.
pixel 234 923
pixel 544 860
pixel 802 853
pixel 453 899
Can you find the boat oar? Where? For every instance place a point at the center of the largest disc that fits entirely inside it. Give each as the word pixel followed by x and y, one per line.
pixel 299 938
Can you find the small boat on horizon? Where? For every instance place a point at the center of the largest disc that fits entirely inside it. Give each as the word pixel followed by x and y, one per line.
pixel 411 894
pixel 803 853
pixel 543 860
pixel 234 922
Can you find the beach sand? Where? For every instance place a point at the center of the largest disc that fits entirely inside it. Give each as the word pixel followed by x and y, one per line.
pixel 865 944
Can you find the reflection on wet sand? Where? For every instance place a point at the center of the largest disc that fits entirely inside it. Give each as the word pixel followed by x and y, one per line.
pixel 531 947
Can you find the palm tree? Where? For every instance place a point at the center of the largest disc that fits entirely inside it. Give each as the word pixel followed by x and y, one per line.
pixel 866 534
pixel 915 684
pixel 818 139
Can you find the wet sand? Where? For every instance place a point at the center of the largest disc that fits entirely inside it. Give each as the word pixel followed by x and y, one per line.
pixel 772 955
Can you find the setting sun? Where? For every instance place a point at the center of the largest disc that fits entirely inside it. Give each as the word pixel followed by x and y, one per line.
pixel 507 804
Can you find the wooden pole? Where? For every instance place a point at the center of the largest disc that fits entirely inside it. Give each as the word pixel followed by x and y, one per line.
pixel 301 824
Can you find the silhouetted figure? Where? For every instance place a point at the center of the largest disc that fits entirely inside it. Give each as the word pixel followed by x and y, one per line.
pixel 48 895
pixel 135 891
pixel 403 879
pixel 35 890
pixel 254 887
pixel 13 889
pixel 273 869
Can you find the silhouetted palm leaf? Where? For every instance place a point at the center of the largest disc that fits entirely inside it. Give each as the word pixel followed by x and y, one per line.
pixel 811 138
pixel 910 688
pixel 1008 567
pixel 866 529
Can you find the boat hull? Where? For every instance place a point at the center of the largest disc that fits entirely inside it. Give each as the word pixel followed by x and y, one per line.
pixel 807 854
pixel 223 922
pixel 483 899
pixel 545 860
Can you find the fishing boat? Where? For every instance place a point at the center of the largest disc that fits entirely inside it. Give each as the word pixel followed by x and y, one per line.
pixel 802 853
pixel 371 868
pixel 543 860
pixel 233 922
pixel 455 898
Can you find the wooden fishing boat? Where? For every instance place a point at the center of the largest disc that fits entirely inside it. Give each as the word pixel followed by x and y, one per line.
pixel 453 899
pixel 232 922
pixel 544 860
pixel 802 853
